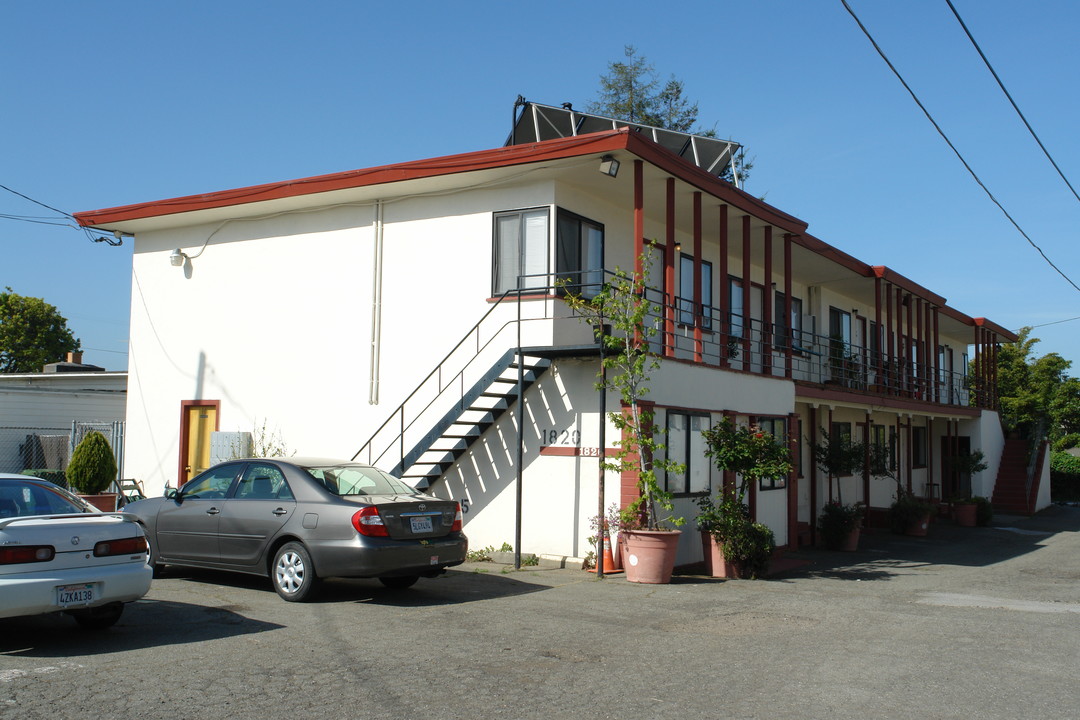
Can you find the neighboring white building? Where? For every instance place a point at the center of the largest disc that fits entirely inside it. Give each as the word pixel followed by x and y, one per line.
pixel 344 309
pixel 37 411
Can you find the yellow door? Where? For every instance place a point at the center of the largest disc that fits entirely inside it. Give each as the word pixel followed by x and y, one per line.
pixel 201 421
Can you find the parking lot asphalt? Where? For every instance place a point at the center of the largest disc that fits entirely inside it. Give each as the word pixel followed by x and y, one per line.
pixel 968 622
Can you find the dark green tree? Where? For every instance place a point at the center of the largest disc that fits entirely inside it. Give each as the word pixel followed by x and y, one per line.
pixel 32 333
pixel 632 91
pixel 1033 389
pixel 93 465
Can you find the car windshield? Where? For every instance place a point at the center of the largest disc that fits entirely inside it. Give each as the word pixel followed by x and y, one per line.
pixel 21 499
pixel 357 480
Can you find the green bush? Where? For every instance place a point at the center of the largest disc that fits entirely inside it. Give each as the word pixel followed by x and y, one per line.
pixel 93 465
pixel 1063 462
pixel 56 477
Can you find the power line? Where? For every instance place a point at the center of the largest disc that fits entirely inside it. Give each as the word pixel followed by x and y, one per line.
pixel 27 197
pixel 1015 107
pixel 953 147
pixel 1056 322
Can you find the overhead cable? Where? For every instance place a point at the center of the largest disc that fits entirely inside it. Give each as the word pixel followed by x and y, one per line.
pixel 953 147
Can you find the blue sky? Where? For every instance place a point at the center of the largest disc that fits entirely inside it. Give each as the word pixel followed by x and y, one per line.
pixel 112 103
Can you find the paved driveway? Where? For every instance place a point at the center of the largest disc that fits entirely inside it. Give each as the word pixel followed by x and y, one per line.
pixel 966 623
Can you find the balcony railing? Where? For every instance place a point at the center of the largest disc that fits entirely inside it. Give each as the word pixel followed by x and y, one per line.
pixel 706 335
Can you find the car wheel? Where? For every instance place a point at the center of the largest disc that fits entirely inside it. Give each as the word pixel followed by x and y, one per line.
pixel 98 618
pixel 399 583
pixel 152 558
pixel 293 573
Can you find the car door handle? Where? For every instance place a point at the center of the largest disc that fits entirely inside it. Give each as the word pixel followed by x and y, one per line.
pixel 281 511
pixel 212 511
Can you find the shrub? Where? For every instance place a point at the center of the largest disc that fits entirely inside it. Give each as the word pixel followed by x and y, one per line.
pixel 56 477
pixel 93 465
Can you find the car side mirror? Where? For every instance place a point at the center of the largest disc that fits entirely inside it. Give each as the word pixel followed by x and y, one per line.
pixel 172 494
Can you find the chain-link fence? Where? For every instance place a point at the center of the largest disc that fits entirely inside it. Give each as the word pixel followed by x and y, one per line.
pixel 47 450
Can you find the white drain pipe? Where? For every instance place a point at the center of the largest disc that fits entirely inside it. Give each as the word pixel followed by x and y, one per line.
pixel 376 305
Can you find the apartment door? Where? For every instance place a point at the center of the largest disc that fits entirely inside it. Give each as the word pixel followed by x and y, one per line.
pixel 198 421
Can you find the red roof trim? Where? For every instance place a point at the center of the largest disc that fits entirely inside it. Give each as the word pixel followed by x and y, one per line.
pixel 468 162
pixel 911 286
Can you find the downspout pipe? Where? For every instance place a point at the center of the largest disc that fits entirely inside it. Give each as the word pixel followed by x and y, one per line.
pixel 376 305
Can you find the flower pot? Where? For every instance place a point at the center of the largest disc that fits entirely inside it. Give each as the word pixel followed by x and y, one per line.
pixel 715 563
pixel 850 542
pixel 918 528
pixel 105 502
pixel 650 555
pixel 964 514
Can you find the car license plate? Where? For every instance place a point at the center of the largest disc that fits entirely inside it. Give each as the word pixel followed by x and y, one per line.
pixel 72 595
pixel 421 525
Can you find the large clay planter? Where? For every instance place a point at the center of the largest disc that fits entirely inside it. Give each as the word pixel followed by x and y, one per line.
pixel 650 555
pixel 851 542
pixel 918 528
pixel 964 514
pixel 105 502
pixel 715 563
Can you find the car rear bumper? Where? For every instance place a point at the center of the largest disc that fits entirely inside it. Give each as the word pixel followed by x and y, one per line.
pixel 383 557
pixel 35 593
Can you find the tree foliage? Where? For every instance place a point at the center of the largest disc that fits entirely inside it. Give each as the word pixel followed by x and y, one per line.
pixel 633 91
pixel 93 465
pixel 32 333
pixel 1033 389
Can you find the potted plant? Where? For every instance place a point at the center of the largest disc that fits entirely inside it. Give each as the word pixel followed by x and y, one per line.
pixel 909 515
pixel 839 456
pixel 92 469
pixel 732 540
pixel 649 530
pixel 964 511
pixel 984 511
pixel 840 525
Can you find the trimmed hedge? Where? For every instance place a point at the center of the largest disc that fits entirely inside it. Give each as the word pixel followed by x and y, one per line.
pixel 56 477
pixel 1064 477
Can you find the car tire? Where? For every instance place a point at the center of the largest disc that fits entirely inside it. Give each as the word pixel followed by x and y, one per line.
pixel 98 618
pixel 293 573
pixel 152 558
pixel 402 582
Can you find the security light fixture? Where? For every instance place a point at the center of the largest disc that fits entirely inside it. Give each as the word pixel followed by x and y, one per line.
pixel 177 258
pixel 609 165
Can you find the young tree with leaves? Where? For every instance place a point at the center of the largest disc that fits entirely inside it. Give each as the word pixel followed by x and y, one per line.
pixel 32 333
pixel 632 91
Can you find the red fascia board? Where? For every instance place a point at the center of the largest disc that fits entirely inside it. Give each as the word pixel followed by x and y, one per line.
pixel 467 162
pixel 1006 335
pixel 911 286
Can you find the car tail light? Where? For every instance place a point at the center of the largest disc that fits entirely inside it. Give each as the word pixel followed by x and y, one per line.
pixel 456 527
pixel 26 554
pixel 367 521
pixel 124 546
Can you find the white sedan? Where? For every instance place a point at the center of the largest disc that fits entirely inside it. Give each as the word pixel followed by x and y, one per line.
pixel 58 554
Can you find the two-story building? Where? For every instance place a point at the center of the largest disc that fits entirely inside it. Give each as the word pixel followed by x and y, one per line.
pixel 397 313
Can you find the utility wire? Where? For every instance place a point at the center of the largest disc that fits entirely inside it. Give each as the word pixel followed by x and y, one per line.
pixel 1015 107
pixel 1056 322
pixel 47 207
pixel 951 146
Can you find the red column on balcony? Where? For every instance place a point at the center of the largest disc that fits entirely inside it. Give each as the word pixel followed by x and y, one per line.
pixel 938 389
pixel 789 350
pixel 669 271
pixel 725 288
pixel 878 340
pixel 767 306
pixel 746 315
pixel 639 215
pixel 699 310
pixel 890 374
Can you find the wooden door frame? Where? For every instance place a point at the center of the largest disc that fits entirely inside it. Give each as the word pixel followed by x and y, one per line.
pixel 185 405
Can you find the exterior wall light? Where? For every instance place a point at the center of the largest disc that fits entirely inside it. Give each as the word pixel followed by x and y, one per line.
pixel 177 258
pixel 609 165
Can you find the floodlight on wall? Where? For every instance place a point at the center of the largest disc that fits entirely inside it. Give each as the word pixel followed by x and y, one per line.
pixel 177 258
pixel 609 165
pixel 678 246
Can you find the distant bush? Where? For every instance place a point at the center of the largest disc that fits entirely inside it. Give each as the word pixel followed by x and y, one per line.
pixel 56 477
pixel 1064 477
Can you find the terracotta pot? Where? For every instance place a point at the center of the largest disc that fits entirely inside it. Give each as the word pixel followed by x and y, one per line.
pixel 851 542
pixel 650 555
pixel 918 528
pixel 964 514
pixel 106 502
pixel 715 563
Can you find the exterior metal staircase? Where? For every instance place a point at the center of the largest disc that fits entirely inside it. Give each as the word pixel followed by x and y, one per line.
pixel 478 410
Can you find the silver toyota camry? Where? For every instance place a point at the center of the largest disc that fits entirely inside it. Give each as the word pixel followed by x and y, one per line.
pixel 298 520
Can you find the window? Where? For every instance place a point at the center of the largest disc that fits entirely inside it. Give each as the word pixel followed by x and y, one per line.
pixel 918 446
pixel 686 444
pixel 881 453
pixel 735 292
pixel 263 481
pixel 786 328
pixel 777 427
pixel 840 430
pixel 521 251
pixel 686 292
pixel 579 253
pixel 213 483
